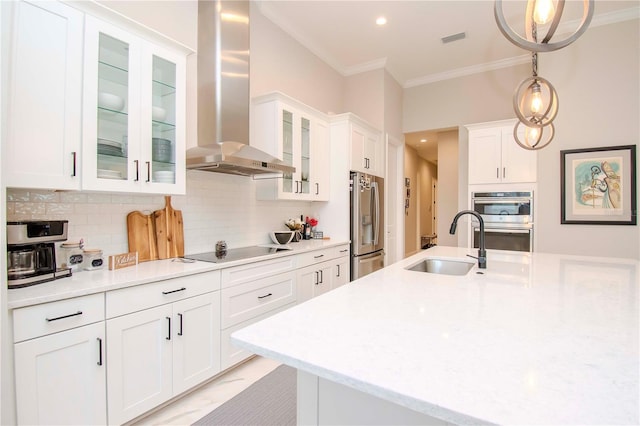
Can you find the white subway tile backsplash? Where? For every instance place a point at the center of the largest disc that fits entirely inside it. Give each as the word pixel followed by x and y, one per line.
pixel 17 195
pixel 59 208
pixel 215 207
pixel 44 196
pixel 73 197
pixel 28 209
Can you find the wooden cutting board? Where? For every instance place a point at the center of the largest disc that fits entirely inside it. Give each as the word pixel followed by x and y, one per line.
pixel 142 236
pixel 169 231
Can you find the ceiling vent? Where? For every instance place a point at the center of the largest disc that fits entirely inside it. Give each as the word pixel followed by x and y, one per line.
pixel 453 37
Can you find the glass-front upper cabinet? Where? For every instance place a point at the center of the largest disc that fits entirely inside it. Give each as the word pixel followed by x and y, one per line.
pixel 298 136
pixel 134 113
pixel 287 150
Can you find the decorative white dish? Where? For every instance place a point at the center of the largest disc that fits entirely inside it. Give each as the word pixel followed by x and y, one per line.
pixel 158 114
pixel 110 101
pixel 109 174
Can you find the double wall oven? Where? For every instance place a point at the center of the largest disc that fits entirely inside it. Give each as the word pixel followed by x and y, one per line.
pixel 508 219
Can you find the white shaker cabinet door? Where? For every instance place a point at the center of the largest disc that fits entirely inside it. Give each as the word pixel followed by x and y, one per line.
pixel 196 345
pixel 485 156
pixel 139 352
pixel 45 97
pixel 340 273
pixel 60 378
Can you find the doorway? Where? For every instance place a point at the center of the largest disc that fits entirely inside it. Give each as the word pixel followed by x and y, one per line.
pixel 429 157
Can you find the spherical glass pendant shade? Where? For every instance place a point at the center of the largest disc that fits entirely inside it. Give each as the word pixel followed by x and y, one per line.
pixel 530 39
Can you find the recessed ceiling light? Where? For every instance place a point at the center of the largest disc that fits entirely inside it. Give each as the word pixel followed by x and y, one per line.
pixel 381 21
pixel 423 140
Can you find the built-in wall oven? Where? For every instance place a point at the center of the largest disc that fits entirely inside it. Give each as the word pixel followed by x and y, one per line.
pixel 508 219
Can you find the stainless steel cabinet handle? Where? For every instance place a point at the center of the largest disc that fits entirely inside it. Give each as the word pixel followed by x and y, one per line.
pixel 64 316
pixel 180 332
pixel 317 278
pixel 497 172
pixel 504 172
pixel 317 188
pixel 99 351
pixel 266 295
pixel 168 328
pixel 148 171
pixel 338 271
pixel 344 251
pixel 321 277
pixel 174 291
pixel 75 157
pixel 318 256
pixel 137 171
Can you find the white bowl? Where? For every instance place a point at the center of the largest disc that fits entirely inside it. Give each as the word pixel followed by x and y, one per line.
pixel 281 237
pixel 158 114
pixel 110 101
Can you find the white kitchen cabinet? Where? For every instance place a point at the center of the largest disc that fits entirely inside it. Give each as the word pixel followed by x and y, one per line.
pixel 44 123
pixel 314 280
pixel 322 271
pixel 249 293
pixel 59 358
pixel 297 135
pixel 161 351
pixel 365 142
pixel 495 157
pixel 134 109
pixel 140 362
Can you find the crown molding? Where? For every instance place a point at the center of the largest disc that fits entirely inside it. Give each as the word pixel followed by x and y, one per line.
pixel 474 69
pixel 366 66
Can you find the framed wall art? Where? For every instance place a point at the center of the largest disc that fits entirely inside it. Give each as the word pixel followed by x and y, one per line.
pixel 598 186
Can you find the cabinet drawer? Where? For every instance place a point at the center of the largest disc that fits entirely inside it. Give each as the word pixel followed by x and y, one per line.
pixel 132 299
pixel 311 258
pixel 47 318
pixel 254 271
pixel 245 301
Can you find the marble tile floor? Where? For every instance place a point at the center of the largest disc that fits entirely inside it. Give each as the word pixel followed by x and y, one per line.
pixel 200 402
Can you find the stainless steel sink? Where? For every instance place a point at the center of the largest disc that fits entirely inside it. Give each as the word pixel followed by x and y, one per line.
pixel 442 266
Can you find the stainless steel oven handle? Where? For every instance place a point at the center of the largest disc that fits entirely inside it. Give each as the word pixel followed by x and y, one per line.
pixel 501 200
pixel 506 230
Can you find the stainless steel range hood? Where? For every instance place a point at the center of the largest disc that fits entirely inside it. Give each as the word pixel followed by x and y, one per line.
pixel 223 94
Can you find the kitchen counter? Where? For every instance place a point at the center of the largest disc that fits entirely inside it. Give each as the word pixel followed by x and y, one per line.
pixel 89 282
pixel 535 338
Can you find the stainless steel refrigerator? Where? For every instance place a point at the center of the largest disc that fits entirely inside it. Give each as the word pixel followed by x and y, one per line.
pixel 367 224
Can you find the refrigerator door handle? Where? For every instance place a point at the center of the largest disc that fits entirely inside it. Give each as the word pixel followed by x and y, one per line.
pixel 376 212
pixel 372 258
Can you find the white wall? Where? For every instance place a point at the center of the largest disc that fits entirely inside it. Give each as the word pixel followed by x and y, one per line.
pixel 279 63
pixel 448 186
pixel 364 96
pixel 598 83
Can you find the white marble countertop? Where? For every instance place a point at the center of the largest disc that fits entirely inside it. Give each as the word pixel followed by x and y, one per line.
pixel 89 282
pixel 536 339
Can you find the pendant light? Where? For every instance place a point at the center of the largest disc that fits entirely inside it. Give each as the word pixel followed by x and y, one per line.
pixel 535 100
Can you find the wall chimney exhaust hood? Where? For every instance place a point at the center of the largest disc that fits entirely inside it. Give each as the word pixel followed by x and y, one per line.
pixel 223 94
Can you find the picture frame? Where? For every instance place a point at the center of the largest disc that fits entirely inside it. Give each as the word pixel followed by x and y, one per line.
pixel 598 186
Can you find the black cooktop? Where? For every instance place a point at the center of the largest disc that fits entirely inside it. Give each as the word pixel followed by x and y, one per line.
pixel 234 254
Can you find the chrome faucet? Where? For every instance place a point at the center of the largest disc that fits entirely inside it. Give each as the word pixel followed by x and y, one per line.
pixel 482 251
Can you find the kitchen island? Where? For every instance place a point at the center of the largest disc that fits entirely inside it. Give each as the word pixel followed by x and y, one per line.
pixel 534 338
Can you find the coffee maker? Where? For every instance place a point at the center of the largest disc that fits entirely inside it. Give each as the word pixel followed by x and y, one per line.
pixel 31 252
